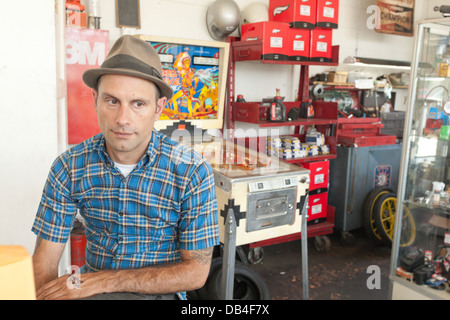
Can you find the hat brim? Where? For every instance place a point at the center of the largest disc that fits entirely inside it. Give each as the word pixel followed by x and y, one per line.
pixel 90 78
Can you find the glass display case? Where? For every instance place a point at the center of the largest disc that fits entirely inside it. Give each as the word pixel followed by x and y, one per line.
pixel 420 265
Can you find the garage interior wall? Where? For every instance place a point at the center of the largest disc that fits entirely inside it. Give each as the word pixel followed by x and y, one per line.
pixel 31 132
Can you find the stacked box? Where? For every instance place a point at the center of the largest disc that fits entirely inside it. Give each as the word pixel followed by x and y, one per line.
pixel 318 189
pixel 298 13
pixel 289 147
pixel 313 137
pixel 321 45
pixel 274 36
pixel 310 22
pixel 299 43
pixel 327 14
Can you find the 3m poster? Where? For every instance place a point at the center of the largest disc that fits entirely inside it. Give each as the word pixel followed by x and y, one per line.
pixel 193 73
pixel 85 49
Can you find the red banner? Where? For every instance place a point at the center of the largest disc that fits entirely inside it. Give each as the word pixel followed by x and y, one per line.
pixel 85 49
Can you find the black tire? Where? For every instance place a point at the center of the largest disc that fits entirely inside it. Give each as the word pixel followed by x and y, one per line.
pixel 382 214
pixel 248 284
pixel 368 219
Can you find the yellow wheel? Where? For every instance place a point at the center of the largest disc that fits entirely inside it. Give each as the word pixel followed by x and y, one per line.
pixel 368 220
pixel 384 218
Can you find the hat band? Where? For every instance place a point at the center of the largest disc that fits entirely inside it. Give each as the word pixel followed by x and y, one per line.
pixel 125 61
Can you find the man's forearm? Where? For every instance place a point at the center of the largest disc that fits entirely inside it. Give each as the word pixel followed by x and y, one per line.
pixel 45 261
pixel 189 274
pixel 152 280
pixel 43 273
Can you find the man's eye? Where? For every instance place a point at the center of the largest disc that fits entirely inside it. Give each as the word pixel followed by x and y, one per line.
pixel 112 101
pixel 138 104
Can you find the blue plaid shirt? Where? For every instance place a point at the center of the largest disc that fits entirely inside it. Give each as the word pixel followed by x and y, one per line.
pixel 167 203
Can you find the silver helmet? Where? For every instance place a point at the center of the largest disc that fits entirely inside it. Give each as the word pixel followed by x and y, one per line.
pixel 222 18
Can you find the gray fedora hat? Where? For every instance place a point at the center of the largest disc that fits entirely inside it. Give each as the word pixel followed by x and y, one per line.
pixel 131 56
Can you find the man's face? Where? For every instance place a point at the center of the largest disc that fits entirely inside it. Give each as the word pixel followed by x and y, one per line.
pixel 127 110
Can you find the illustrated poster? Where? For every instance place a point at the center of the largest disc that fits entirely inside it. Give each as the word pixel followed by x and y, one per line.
pixel 193 72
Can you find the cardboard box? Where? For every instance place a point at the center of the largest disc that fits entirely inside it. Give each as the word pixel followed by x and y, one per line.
pixel 298 13
pixel 274 36
pixel 337 76
pixel 327 14
pixel 321 45
pixel 299 41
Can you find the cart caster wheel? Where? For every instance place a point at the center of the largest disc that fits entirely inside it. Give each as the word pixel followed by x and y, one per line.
pixel 347 239
pixel 255 255
pixel 322 244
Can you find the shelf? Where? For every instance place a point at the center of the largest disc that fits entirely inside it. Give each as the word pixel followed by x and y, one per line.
pixel 437 209
pixel 351 86
pixel 254 112
pixel 252 51
pixel 300 122
pixel 311 159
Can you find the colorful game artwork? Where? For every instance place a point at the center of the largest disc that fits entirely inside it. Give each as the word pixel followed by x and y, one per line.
pixel 193 73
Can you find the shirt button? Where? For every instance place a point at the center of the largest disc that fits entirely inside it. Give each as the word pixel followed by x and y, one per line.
pixel 121 213
pixel 120 239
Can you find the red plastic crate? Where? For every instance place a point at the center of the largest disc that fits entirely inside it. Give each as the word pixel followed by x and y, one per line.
pixel 319 173
pixel 317 206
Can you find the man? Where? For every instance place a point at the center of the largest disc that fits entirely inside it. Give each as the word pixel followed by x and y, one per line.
pixel 149 204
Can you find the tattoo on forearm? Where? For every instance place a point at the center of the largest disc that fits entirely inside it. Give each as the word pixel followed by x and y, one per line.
pixel 202 256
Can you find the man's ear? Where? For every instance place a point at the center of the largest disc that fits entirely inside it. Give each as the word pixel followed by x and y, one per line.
pixel 94 96
pixel 160 106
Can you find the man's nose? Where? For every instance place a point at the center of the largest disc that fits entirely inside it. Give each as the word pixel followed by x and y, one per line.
pixel 123 115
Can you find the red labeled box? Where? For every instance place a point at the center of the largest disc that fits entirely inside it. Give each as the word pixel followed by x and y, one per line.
pixel 321 45
pixel 327 14
pixel 317 206
pixel 274 36
pixel 319 173
pixel 299 43
pixel 298 13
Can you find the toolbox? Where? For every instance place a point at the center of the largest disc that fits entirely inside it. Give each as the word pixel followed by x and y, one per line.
pixel 393 123
pixel 362 132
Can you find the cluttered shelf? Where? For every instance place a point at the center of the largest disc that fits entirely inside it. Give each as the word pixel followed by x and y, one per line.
pixel 259 113
pixel 353 86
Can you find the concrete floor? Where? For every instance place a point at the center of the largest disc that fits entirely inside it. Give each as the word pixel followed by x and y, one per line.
pixel 339 274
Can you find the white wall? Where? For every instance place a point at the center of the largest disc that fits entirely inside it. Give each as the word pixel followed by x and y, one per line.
pixel 29 131
pixel 28 134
